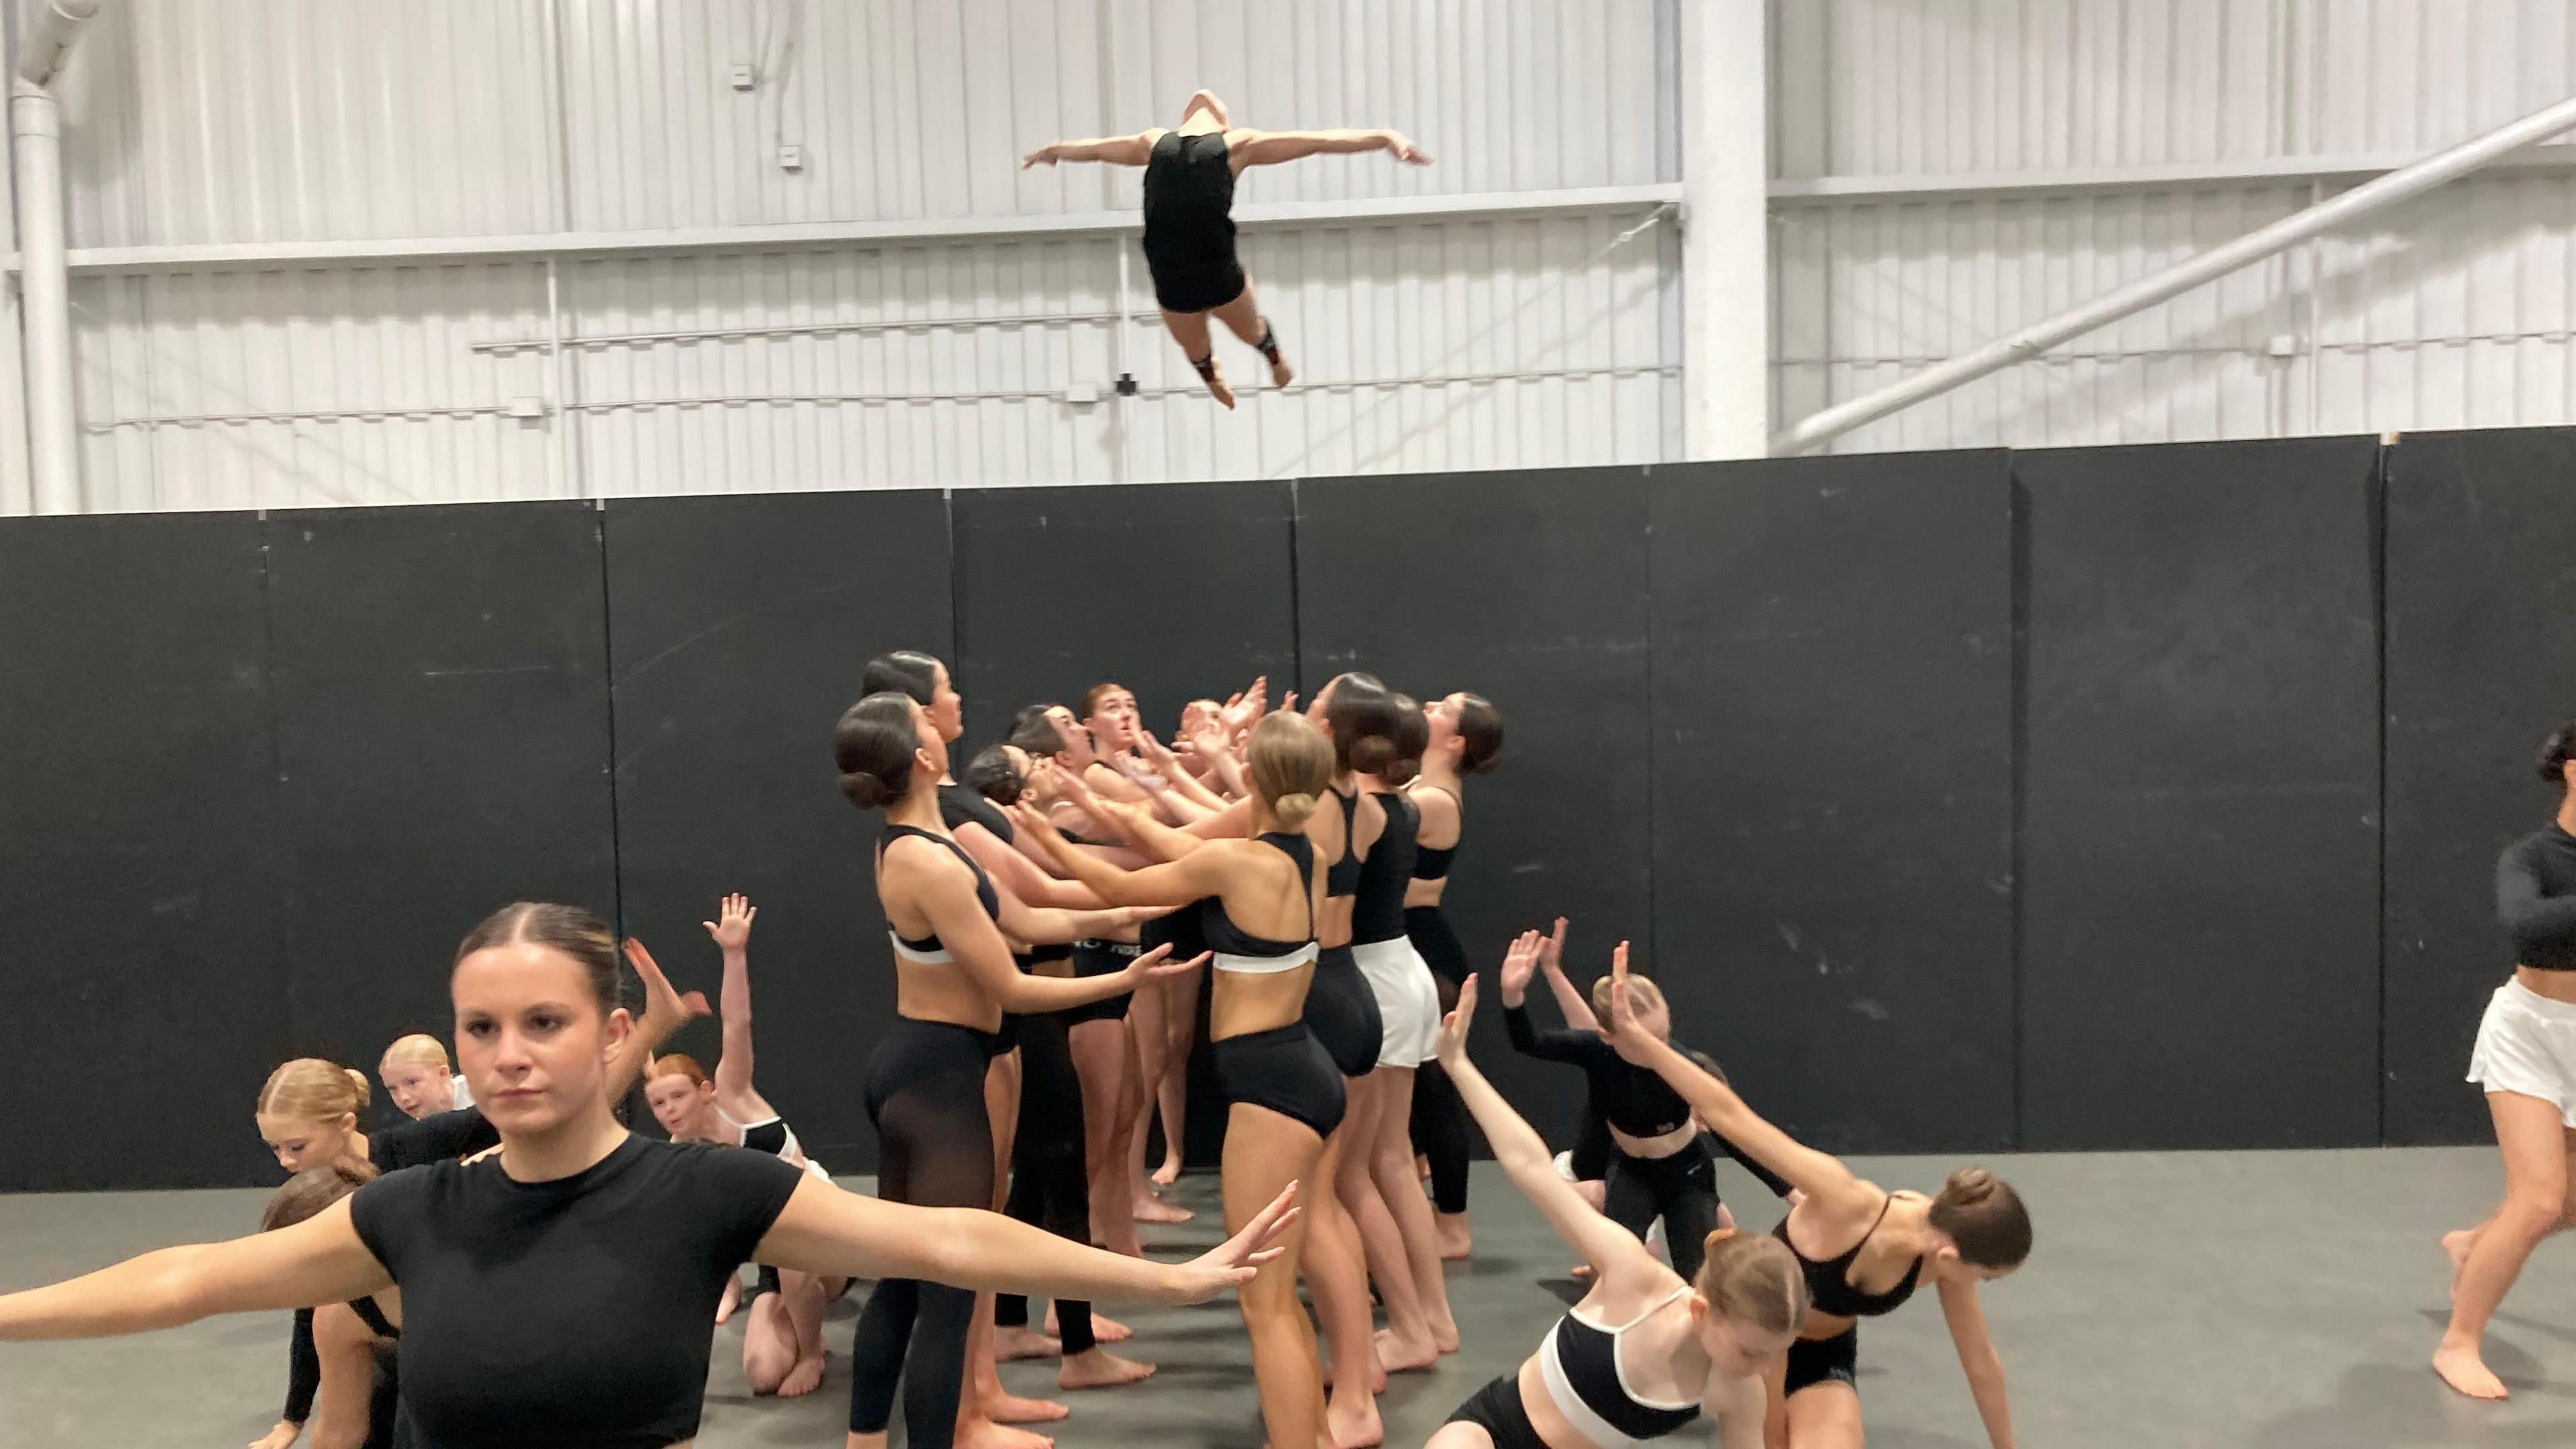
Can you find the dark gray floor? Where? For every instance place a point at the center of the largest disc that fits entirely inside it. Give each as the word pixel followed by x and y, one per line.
pixel 2281 1300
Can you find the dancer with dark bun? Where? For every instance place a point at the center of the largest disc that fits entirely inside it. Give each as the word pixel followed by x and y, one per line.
pixel 1646 1349
pixel 359 1400
pixel 2525 1059
pixel 1466 739
pixel 1258 901
pixel 782 1344
pixel 1863 1250
pixel 502 1255
pixel 955 980
pixel 1189 218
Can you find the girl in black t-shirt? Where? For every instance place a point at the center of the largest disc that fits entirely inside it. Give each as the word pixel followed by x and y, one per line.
pixel 592 1256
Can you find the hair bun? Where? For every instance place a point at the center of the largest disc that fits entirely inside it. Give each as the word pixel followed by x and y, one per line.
pixel 366 1088
pixel 864 789
pixel 1971 1185
pixel 1294 808
pixel 1716 1236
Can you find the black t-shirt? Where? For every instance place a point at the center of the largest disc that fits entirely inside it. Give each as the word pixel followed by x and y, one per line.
pixel 577 1313
pixel 438 1136
pixel 2536 898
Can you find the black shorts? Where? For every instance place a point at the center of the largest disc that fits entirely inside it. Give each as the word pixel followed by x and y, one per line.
pixel 1814 1361
pixel 1437 940
pixel 1199 283
pixel 1100 958
pixel 1285 1070
pixel 1497 1409
pixel 1343 1012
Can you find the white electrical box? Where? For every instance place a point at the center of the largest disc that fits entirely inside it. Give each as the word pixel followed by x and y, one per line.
pixel 527 407
pixel 1082 394
pixel 2285 344
pixel 791 158
pixel 744 77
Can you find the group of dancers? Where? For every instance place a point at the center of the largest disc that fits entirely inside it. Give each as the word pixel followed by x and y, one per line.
pixel 512 1265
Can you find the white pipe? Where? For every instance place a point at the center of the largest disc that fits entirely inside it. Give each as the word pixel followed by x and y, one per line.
pixel 53 434
pixel 1726 230
pixel 2376 196
pixel 47 45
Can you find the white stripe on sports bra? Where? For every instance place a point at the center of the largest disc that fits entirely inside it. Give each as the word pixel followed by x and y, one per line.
pixel 1551 1370
pixel 1266 965
pixel 939 957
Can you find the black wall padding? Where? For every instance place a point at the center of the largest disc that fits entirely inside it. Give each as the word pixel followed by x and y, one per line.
pixel 146 996
pixel 442 748
pixel 1527 588
pixel 1833 780
pixel 2481 666
pixel 1174 590
pixel 741 626
pixel 2200 831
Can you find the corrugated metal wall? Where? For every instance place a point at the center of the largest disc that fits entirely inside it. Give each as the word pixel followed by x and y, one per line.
pixel 2451 312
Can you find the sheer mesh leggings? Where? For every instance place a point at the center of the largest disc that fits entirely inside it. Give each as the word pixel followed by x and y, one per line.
pixel 935 1149
pixel 1048 1186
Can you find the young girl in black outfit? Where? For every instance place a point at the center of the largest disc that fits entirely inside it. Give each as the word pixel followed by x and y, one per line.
pixel 1466 739
pixel 504 1254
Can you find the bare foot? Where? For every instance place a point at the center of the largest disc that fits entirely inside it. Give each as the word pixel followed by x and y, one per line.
pixel 803 1379
pixel 983 1433
pixel 1377 1375
pixel 2463 1370
pixel 1444 1334
pixel 2457 1245
pixel 1152 1209
pixel 1355 1425
pixel 1217 389
pixel 1020 1341
pixel 1100 1369
pixel 1009 1408
pixel 1168 1173
pixel 1457 1240
pixel 1399 1355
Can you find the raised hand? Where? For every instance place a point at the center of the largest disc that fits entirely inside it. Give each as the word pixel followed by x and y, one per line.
pixel 732 925
pixel 1405 151
pixel 662 1001
pixel 1153 750
pixel 1232 1263
pixel 1242 711
pixel 1551 955
pixel 1452 1046
pixel 1620 1027
pixel 1519 964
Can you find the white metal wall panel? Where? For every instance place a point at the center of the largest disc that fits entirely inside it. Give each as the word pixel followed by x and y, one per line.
pixel 303 120
pixel 295 388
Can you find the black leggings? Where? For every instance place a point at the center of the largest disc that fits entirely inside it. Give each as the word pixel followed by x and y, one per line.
pixel 1680 1189
pixel 935 1149
pixel 1439 1123
pixel 1048 1187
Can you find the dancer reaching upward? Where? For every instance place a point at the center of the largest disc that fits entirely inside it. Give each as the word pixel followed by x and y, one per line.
pixel 1189 218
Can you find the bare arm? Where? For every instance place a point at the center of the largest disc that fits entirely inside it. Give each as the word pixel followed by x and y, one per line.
pixel 1016 876
pixel 1269 148
pixel 319 1260
pixel 348 1352
pixel 941 887
pixel 665 1012
pixel 1818 1175
pixel 732 932
pixel 1194 876
pixel 1738 1406
pixel 1523 1156
pixel 1985 1367
pixel 1570 1000
pixel 826 1230
pixel 1115 150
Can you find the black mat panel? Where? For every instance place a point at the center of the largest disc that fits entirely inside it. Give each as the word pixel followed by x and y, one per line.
pixel 2481 666
pixel 2200 832
pixel 1833 786
pixel 442 739
pixel 146 988
pixel 740 626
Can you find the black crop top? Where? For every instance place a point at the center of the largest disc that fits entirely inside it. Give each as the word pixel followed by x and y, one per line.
pixel 1831 1290
pixel 961 803
pixel 929 948
pixel 1629 1097
pixel 1432 863
pixel 575 1313
pixel 1378 913
pixel 1342 877
pixel 1225 938
pixel 2536 898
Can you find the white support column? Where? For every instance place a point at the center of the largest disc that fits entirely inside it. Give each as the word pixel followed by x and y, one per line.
pixel 53 429
pixel 1726 237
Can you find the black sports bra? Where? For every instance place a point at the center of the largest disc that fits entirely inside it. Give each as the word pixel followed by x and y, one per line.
pixel 374 1317
pixel 1250 955
pixel 1832 1292
pixel 1432 863
pixel 1342 877
pixel 928 950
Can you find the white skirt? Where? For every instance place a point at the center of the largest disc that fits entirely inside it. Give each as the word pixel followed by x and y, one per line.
pixel 1408 1003
pixel 2527 1046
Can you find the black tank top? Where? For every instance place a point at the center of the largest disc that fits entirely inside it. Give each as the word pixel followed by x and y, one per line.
pixel 1342 877
pixel 1189 199
pixel 1832 1291
pixel 1378 914
pixel 929 948
pixel 1430 863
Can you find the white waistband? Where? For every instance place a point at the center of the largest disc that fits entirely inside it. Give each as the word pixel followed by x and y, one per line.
pixel 939 957
pixel 1387 955
pixel 1266 965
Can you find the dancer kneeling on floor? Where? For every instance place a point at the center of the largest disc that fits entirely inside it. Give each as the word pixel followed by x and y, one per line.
pixel 1645 1350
